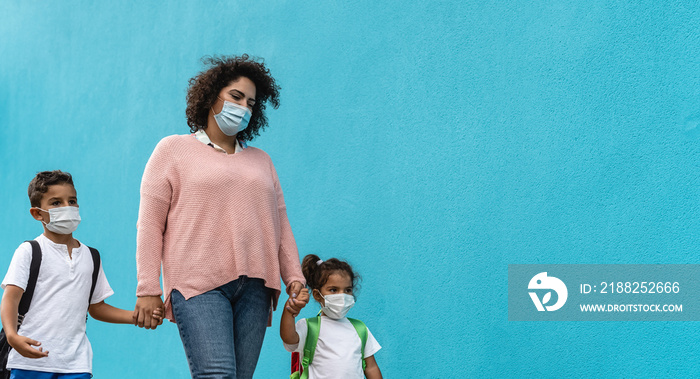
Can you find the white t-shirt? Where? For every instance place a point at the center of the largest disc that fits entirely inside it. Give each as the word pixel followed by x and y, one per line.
pixel 338 351
pixel 56 316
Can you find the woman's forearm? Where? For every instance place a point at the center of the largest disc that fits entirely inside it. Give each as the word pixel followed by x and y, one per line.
pixel 149 245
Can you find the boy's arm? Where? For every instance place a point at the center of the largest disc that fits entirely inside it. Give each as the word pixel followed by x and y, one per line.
pixel 104 312
pixel 372 369
pixel 288 332
pixel 8 314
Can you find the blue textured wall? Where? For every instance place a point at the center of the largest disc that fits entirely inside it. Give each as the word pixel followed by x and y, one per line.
pixel 430 144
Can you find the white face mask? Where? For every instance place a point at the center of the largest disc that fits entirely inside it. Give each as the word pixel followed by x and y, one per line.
pixel 63 220
pixel 233 118
pixel 337 305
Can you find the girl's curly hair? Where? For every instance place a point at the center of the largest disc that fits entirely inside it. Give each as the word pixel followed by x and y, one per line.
pixel 205 87
pixel 317 275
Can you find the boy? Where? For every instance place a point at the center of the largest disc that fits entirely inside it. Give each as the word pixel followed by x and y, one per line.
pixel 55 321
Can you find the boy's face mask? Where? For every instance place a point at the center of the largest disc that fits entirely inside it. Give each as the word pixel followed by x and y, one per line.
pixel 63 220
pixel 337 305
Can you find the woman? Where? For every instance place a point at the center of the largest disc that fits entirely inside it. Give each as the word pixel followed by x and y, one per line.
pixel 213 214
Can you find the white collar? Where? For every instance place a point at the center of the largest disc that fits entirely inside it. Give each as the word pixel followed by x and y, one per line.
pixel 202 137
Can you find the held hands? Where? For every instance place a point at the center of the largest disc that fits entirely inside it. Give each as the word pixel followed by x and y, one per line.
pixel 158 315
pixel 148 312
pixel 23 345
pixel 294 288
pixel 298 298
pixel 295 303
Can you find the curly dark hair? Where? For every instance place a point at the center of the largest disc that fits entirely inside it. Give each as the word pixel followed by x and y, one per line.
pixel 205 87
pixel 316 275
pixel 41 182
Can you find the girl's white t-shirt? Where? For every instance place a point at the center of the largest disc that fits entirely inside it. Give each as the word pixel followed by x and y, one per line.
pixel 338 351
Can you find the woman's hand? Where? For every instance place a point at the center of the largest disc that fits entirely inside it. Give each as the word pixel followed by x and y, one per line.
pixel 144 311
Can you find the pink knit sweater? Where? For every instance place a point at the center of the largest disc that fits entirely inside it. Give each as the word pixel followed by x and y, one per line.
pixel 210 217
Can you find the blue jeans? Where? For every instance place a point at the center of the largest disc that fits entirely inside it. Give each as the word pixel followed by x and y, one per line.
pixel 16 373
pixel 222 330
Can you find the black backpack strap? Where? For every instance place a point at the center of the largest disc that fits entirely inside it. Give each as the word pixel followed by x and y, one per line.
pixel 33 275
pixel 95 271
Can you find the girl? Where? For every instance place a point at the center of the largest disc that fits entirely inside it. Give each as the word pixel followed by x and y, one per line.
pixel 338 351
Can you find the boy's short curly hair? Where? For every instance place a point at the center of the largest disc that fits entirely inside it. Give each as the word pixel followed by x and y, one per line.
pixel 205 87
pixel 41 182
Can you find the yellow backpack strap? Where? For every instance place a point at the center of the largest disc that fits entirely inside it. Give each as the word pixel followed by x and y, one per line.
pixel 313 326
pixel 361 329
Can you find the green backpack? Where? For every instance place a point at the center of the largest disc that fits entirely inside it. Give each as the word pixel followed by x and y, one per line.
pixel 313 326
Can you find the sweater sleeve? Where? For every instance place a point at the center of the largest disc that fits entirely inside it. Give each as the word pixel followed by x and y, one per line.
pixel 156 194
pixel 290 268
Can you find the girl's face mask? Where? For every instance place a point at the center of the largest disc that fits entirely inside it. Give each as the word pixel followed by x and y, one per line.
pixel 337 305
pixel 63 220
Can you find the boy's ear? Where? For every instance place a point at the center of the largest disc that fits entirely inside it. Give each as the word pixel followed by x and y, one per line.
pixel 36 213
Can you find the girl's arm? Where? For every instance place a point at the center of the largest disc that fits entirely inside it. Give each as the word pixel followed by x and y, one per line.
pixel 372 370
pixel 104 312
pixel 8 314
pixel 287 330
